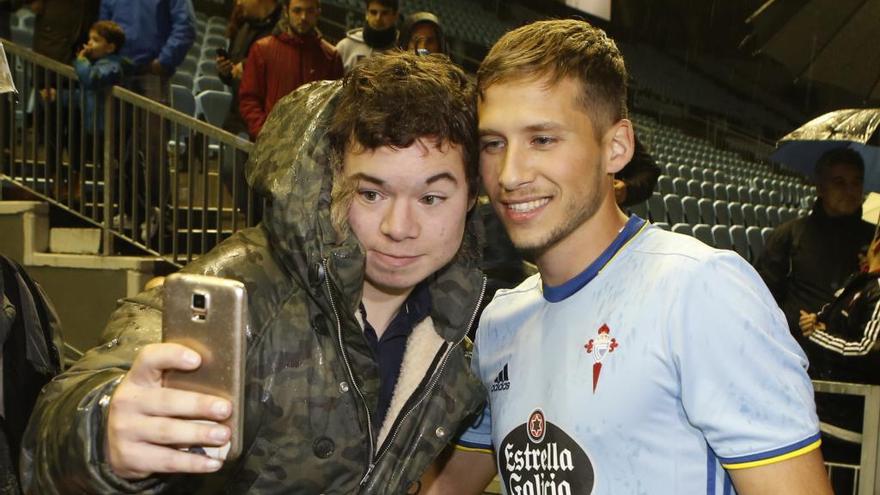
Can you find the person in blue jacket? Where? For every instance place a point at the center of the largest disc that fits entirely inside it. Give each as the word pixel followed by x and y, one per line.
pixel 158 33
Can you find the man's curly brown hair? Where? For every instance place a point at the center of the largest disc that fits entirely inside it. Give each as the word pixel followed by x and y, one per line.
pixel 397 98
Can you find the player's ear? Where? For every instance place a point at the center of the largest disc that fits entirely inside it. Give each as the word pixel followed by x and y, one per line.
pixel 619 145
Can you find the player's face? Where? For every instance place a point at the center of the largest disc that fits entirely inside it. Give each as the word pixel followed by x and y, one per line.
pixel 303 15
pixel 424 36
pixel 380 17
pixel 541 162
pixel 408 211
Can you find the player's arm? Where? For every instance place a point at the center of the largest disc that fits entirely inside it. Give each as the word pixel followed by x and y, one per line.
pixel 464 472
pixel 801 475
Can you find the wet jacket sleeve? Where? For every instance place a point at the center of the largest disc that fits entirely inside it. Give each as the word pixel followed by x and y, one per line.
pixel 774 264
pixel 96 76
pixel 182 36
pixel 863 320
pixel 63 447
pixel 252 91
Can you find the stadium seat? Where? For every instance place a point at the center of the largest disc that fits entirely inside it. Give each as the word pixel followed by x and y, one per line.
pixel 736 213
pixel 721 235
pixel 707 190
pixel 679 186
pixel 693 188
pixel 213 106
pixel 720 177
pixel 743 192
pixel 755 196
pixel 703 233
pixel 184 79
pixel 775 198
pixel 756 242
pixel 772 216
pixel 640 210
pixel 182 100
pixel 205 83
pixel 722 213
pixel 740 241
pixel 697 174
pixel 207 67
pixel 682 228
pixel 664 185
pixel 707 211
pixel 662 225
pixel 748 213
pixel 656 208
pixel 764 196
pixel 732 193
pixel 212 42
pixel 787 215
pixel 765 233
pixel 684 171
pixel 189 65
pixel 691 210
pixel 674 209
pixel 720 192
pixel 761 219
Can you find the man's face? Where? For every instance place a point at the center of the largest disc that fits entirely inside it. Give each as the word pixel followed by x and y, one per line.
pixel 98 47
pixel 380 17
pixel 408 211
pixel 540 161
pixel 424 36
pixel 841 189
pixel 303 15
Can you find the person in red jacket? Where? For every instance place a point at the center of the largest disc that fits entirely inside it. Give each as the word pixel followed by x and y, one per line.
pixel 276 65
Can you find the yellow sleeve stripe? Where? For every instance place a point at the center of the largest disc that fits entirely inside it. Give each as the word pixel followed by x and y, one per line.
pixel 772 460
pixel 472 449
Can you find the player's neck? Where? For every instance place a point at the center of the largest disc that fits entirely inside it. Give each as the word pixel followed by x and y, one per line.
pixel 584 245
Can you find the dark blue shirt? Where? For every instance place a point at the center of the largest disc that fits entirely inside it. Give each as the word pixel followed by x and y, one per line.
pixel 388 350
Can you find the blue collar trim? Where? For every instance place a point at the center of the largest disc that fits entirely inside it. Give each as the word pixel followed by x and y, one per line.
pixel 561 292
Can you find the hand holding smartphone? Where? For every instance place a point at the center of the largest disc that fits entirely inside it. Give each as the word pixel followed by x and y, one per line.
pixel 209 316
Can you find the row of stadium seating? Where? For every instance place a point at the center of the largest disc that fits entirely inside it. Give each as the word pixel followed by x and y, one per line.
pixel 748 242
pixel 673 208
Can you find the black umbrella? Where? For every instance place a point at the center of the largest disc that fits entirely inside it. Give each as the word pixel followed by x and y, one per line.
pixel 853 128
pixel 831 42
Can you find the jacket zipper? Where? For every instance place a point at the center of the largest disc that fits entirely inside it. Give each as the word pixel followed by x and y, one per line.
pixel 433 383
pixel 348 368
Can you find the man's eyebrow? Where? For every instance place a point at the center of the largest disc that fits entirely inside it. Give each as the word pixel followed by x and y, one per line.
pixel 368 178
pixel 441 176
pixel 537 127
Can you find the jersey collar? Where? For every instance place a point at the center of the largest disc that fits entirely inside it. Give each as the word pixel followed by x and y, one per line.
pixel 560 292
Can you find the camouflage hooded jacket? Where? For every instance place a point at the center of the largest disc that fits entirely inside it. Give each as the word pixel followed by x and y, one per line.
pixel 311 380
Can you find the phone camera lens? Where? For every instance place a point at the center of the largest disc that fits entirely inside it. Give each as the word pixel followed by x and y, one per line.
pixel 199 301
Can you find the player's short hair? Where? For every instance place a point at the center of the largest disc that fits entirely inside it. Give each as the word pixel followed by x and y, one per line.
pixel 111 32
pixel 559 49
pixel 391 4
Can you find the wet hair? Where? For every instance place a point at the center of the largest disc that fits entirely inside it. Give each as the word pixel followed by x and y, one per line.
pixel 391 4
pixel 559 49
pixel 394 99
pixel 111 32
pixel 838 155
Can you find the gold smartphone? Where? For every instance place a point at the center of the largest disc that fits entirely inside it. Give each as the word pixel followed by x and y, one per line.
pixel 209 315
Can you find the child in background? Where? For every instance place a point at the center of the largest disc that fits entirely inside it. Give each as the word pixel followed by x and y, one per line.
pixel 98 66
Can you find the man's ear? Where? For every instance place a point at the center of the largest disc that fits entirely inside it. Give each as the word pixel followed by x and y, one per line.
pixel 619 144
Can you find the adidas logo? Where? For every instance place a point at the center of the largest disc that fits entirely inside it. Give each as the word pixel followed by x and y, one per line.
pixel 501 382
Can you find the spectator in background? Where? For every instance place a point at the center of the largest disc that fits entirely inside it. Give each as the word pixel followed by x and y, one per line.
pixel 258 19
pixel 7 7
pixel 635 183
pixel 808 259
pixel 422 31
pixel 293 55
pixel 61 26
pixel 158 34
pixel 379 35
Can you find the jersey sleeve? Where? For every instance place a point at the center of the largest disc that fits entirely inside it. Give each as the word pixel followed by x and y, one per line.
pixel 744 383
pixel 478 436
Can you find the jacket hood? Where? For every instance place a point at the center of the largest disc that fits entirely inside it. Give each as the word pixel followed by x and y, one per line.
pixel 422 18
pixel 356 34
pixel 291 165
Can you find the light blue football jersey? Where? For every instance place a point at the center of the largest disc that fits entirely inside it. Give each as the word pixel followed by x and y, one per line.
pixel 662 364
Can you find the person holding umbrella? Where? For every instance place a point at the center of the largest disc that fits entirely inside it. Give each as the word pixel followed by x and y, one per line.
pixel 808 259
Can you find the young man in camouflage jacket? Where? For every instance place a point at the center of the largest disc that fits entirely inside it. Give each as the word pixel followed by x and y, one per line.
pixel 369 232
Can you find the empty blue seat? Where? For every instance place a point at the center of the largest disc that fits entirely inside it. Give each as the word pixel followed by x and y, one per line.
pixel 740 241
pixel 707 190
pixel 722 213
pixel 764 196
pixel 656 208
pixel 748 213
pixel 674 209
pixel 691 210
pixel 772 216
pixel 721 235
pixel 213 106
pixel 182 100
pixel 682 228
pixel 756 242
pixel 662 225
pixel 732 193
pixel 184 79
pixel 720 192
pixel 684 171
pixel 693 188
pixel 736 213
pixel 703 233
pixel 761 219
pixel 679 186
pixel 743 192
pixel 765 233
pixel 707 211
pixel 664 185
pixel 206 83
